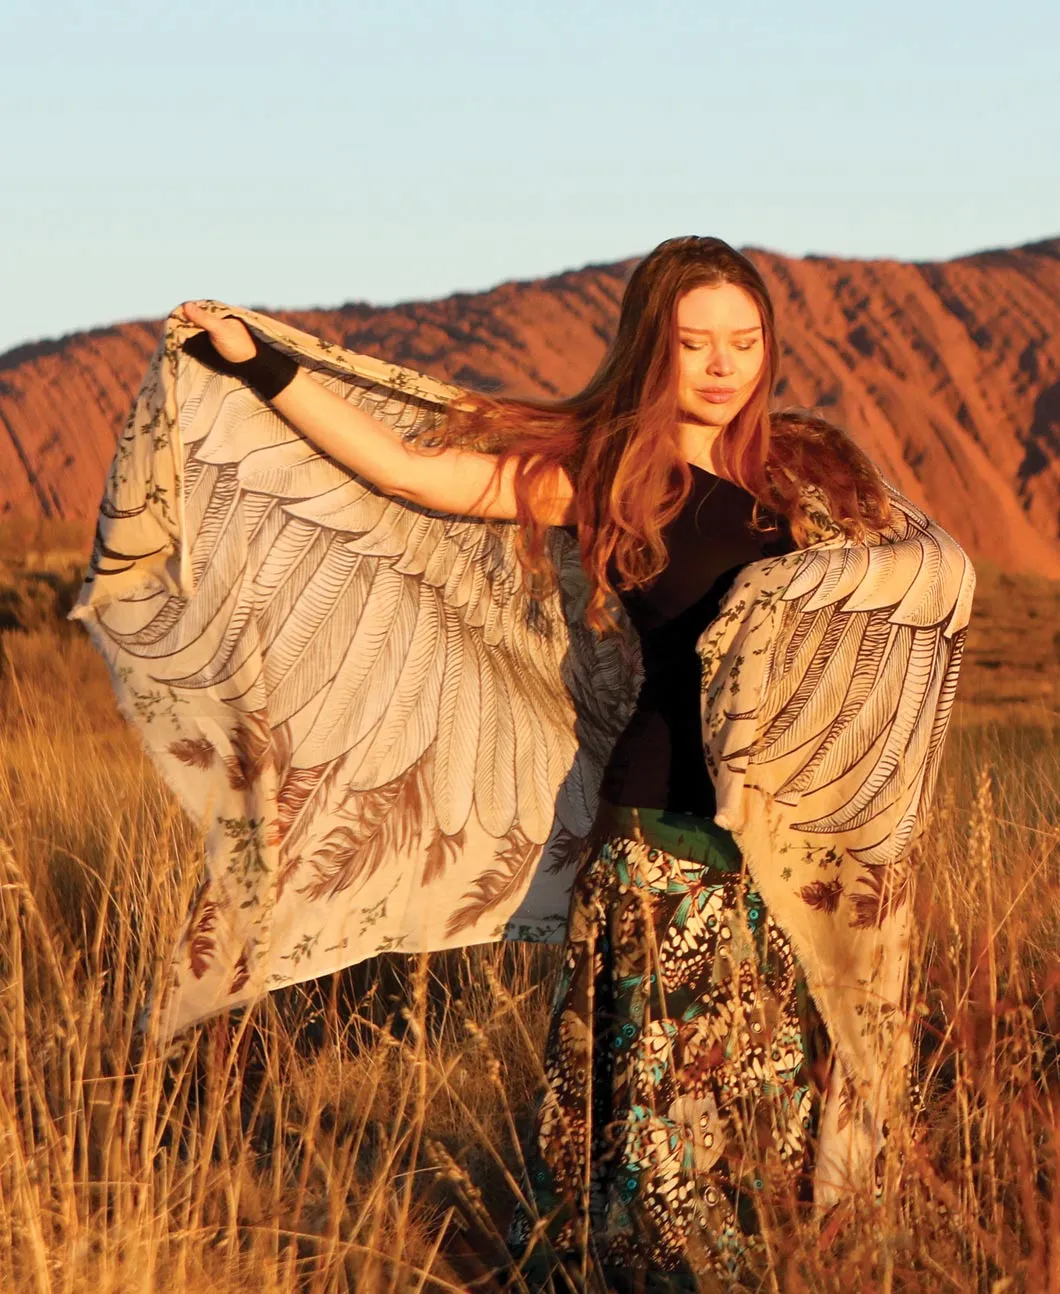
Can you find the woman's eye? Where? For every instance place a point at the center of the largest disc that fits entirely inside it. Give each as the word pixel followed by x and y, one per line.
pixel 691 345
pixel 746 345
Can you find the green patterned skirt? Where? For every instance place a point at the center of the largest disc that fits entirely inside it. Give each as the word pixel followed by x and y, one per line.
pixel 679 1109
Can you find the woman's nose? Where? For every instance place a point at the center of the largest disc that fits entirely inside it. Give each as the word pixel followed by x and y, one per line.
pixel 720 364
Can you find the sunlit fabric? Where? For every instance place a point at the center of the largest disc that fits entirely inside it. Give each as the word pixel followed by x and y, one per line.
pixel 391 745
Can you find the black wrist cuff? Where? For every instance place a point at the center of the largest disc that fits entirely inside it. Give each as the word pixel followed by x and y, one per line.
pixel 267 372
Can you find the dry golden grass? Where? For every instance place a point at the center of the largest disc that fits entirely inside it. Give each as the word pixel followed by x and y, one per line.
pixel 363 1133
pixel 1011 670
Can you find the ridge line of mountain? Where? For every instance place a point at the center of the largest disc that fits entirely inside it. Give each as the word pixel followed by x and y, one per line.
pixel 948 372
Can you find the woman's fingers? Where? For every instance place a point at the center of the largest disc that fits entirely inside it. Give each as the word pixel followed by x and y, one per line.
pixel 194 313
pixel 229 336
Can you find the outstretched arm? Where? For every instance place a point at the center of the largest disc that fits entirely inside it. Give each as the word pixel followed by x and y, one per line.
pixel 460 481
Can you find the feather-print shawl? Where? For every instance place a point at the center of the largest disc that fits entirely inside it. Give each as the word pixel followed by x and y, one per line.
pixel 391 746
pixel 828 680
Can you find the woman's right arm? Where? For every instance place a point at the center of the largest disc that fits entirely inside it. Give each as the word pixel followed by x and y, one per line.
pixel 459 481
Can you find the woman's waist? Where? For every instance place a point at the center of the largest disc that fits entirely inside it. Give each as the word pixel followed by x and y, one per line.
pixel 683 835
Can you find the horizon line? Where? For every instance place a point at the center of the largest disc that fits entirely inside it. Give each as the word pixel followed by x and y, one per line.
pixel 34 347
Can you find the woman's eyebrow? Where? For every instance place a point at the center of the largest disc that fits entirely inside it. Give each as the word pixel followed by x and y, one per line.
pixel 736 332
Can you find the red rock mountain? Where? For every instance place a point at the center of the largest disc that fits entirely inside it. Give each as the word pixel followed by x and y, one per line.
pixel 948 373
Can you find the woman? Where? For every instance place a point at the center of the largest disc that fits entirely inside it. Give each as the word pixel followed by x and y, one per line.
pixel 679 1081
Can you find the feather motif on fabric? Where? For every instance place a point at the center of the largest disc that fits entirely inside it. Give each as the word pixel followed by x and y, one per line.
pixel 382 733
pixel 391 746
pixel 826 699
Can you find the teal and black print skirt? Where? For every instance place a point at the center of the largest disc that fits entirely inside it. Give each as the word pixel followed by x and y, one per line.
pixel 679 1109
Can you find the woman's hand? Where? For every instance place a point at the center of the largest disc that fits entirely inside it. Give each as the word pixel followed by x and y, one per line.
pixel 230 337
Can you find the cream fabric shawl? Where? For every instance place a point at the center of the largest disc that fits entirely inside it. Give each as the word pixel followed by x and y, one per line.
pixel 391 746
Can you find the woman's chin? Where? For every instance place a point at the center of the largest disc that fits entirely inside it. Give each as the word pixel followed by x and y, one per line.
pixel 713 415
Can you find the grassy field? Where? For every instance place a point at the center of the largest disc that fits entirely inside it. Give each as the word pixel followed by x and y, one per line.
pixel 363 1133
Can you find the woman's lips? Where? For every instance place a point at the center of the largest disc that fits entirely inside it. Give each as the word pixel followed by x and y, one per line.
pixel 716 394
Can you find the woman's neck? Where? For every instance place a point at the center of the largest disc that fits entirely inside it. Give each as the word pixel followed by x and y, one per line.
pixel 697 443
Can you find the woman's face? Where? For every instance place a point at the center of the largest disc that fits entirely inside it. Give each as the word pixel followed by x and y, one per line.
pixel 720 347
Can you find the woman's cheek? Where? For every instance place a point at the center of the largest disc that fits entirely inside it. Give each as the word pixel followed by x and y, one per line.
pixel 753 373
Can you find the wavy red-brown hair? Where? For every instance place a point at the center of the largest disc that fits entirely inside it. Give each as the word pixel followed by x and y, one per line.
pixel 617 438
pixel 809 452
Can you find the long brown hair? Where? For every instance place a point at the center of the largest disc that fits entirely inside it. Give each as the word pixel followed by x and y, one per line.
pixel 617 439
pixel 809 453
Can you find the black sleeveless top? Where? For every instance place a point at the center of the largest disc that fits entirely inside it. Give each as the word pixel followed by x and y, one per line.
pixel 658 762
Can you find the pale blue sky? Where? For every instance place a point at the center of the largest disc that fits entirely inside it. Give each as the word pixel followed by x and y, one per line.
pixel 316 152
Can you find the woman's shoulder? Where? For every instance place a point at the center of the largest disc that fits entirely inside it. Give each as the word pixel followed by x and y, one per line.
pixel 823 481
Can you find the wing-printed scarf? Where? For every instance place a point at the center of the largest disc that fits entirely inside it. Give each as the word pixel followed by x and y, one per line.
pixel 828 681
pixel 391 745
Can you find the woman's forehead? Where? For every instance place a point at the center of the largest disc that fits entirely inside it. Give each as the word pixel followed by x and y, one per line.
pixel 723 307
